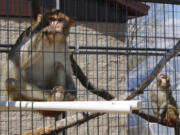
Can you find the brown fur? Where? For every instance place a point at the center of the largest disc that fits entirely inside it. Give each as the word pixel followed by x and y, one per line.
pixel 163 103
pixel 171 115
pixel 39 45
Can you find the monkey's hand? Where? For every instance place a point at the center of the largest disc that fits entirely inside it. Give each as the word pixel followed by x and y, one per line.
pixel 69 97
pixel 171 115
pixel 57 94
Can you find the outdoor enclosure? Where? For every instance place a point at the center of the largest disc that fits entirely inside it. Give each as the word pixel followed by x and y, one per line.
pixel 119 48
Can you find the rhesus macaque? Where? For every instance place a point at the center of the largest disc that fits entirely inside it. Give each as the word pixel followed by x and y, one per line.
pixel 39 67
pixel 163 103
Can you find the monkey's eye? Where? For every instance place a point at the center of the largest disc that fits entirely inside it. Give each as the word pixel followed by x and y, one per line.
pixel 164 77
pixel 60 19
pixel 52 19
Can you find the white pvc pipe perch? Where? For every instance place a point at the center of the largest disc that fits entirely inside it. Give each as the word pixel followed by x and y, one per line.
pixel 77 106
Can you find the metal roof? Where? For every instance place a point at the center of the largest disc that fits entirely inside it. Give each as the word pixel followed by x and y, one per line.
pixel 85 10
pixel 135 8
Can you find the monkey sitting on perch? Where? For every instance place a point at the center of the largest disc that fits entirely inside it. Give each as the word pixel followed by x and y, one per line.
pixel 162 101
pixel 39 66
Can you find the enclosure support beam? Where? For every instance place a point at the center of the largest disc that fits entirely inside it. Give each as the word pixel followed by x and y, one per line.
pixel 57 4
pixel 161 1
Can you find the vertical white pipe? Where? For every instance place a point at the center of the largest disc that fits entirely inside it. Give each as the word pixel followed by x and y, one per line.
pixel 57 4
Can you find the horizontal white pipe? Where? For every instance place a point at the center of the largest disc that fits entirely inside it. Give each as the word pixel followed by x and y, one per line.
pixel 77 106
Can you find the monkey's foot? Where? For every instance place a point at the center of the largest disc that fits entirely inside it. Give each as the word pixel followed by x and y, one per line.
pixel 57 94
pixel 11 83
pixel 69 97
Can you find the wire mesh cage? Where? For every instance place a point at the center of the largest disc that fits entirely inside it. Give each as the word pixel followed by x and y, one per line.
pixel 99 50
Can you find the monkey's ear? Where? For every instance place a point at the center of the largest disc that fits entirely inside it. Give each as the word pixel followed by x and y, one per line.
pixel 39 18
pixel 159 81
pixel 71 21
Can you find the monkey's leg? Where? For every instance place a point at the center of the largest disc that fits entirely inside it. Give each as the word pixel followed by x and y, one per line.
pixel 155 108
pixel 58 92
pixel 163 107
pixel 171 115
pixel 60 75
pixel 60 82
pixel 19 89
pixel 71 92
pixel 64 79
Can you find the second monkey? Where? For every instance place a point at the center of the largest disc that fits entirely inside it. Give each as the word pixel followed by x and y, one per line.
pixel 162 101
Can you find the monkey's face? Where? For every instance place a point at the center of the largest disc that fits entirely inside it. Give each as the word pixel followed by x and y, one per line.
pixel 56 24
pixel 59 24
pixel 164 81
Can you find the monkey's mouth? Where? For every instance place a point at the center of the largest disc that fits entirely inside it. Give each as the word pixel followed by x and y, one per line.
pixel 165 86
pixel 59 33
pixel 55 33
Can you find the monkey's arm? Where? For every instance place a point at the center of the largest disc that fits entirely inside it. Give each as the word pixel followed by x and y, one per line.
pixel 65 80
pixel 172 101
pixel 154 105
pixel 163 107
pixel 21 90
pixel 60 74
